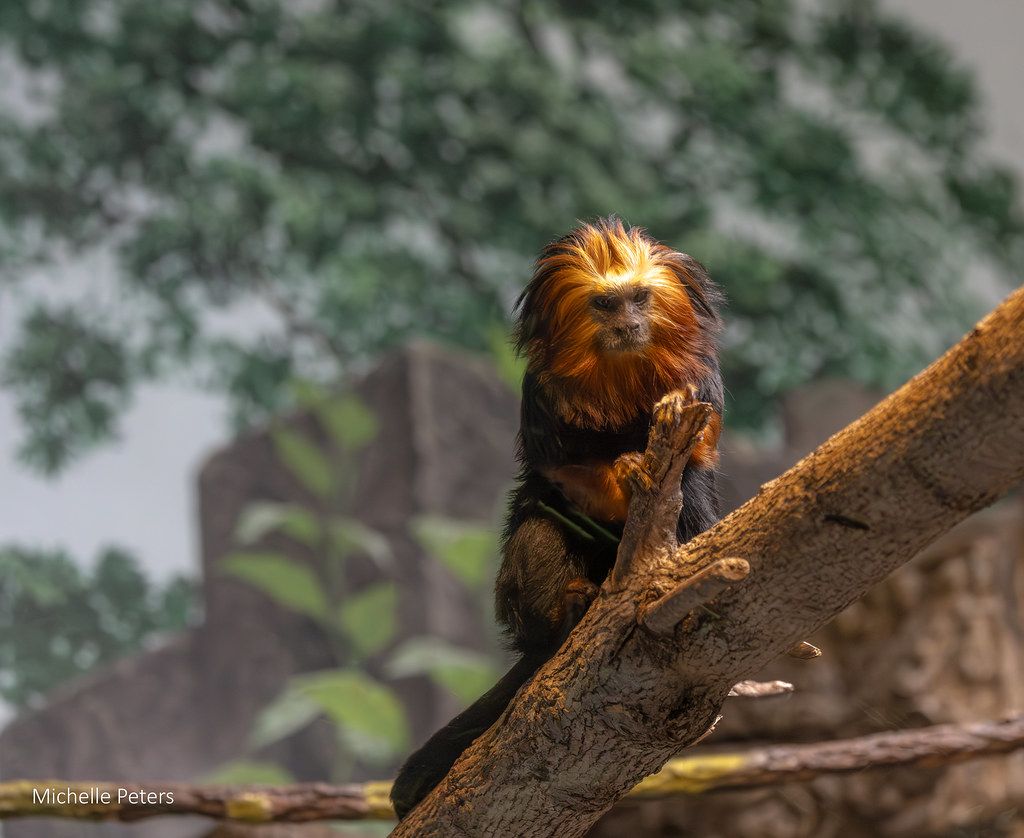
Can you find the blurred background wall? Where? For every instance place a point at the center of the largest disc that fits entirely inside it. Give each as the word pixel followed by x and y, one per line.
pixel 223 223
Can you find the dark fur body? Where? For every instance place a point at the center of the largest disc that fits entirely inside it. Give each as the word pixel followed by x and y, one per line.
pixel 545 561
pixel 541 555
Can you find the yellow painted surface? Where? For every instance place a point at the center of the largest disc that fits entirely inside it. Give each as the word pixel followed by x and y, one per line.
pixel 378 798
pixel 249 806
pixel 690 775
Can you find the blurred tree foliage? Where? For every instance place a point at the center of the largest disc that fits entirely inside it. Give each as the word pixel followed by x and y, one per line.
pixel 58 621
pixel 352 173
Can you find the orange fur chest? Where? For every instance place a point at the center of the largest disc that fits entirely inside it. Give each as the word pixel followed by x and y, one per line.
pixel 600 487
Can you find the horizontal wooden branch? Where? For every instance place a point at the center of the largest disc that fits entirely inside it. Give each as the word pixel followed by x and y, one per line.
pixel 927 747
pixel 300 803
pixel 111 801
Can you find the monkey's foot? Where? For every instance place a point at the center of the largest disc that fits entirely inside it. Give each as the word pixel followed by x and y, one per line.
pixel 576 598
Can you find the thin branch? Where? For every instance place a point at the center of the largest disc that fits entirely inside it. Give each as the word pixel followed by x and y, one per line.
pixel 925 747
pixel 677 424
pixel 930 746
pixel 127 802
pixel 804 651
pixel 662 615
pixel 760 689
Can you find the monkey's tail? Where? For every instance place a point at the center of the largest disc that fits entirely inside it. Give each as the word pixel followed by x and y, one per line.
pixel 429 765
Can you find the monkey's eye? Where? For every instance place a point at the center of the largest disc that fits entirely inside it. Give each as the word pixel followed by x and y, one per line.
pixel 642 295
pixel 605 302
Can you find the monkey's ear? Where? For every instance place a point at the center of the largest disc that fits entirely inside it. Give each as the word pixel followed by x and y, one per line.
pixel 703 292
pixel 527 320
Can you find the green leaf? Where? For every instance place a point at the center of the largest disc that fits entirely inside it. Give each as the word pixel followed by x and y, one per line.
pixel 350 536
pixel 349 421
pixel 305 460
pixel 368 618
pixel 307 394
pixel 468 550
pixel 465 672
pixel 366 711
pixel 260 518
pixel 249 772
pixel 291 711
pixel 285 581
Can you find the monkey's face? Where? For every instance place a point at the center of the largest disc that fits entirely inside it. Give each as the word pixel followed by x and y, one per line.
pixel 610 304
pixel 609 325
pixel 622 317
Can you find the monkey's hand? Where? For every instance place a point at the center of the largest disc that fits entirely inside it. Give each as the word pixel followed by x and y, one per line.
pixel 670 411
pixel 600 490
pixel 629 470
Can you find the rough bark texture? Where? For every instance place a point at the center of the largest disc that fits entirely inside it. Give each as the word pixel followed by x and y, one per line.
pixel 941 641
pixel 305 802
pixel 618 700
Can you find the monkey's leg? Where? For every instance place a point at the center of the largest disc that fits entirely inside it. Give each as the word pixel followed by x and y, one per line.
pixel 542 588
pixel 542 592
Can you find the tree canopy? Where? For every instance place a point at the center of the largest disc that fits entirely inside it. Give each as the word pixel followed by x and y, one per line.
pixel 58 621
pixel 349 174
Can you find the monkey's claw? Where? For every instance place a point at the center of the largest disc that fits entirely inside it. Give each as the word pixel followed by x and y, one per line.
pixel 630 471
pixel 669 410
pixel 677 425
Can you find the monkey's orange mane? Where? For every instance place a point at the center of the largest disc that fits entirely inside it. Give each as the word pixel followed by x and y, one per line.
pixel 558 335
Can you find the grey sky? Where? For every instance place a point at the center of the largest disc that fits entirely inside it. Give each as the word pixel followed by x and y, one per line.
pixel 139 493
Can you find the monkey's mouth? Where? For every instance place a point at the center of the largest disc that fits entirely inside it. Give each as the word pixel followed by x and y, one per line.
pixel 621 342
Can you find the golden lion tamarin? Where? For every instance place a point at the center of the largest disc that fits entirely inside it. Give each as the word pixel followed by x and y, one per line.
pixel 610 322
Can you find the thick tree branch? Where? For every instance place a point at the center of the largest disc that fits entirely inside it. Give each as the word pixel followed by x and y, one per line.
pixel 619 699
pixel 929 746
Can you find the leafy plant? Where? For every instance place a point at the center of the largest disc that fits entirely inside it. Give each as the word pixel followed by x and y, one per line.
pixel 360 623
pixel 466 549
pixel 464 672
